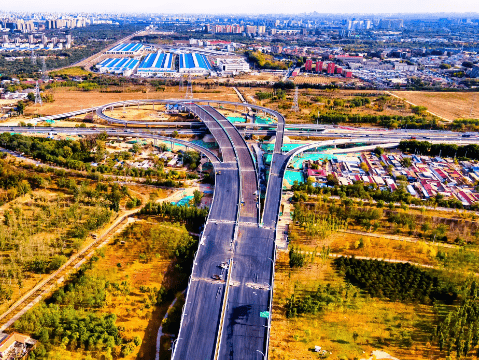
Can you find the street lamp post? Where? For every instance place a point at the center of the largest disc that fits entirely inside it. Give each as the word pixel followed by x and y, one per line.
pixel 261 353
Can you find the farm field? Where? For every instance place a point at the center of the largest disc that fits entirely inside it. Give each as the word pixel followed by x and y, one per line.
pixel 450 105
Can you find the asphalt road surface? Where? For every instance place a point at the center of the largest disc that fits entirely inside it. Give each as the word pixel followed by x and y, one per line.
pixel 202 312
pixel 249 178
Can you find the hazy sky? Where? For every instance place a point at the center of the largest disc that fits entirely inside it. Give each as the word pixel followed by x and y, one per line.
pixel 244 6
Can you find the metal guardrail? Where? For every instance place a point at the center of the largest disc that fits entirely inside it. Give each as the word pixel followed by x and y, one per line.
pixel 223 311
pixel 194 262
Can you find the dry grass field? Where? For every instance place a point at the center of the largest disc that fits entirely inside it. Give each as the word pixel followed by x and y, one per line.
pixel 70 99
pixel 450 105
pixel 312 101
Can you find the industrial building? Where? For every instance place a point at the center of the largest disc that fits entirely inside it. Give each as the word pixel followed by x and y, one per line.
pixel 125 66
pixel 157 64
pixel 127 49
pixel 194 63
pixel 232 66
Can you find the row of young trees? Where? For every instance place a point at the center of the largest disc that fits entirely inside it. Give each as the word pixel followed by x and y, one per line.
pixel 396 281
pixel 459 330
pixel 389 121
pixel 315 301
pixel 364 191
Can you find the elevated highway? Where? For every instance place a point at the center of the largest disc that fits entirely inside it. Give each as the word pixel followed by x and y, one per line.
pixel 221 317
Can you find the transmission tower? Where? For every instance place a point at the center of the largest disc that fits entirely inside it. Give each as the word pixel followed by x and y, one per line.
pixel 295 106
pixel 33 57
pixel 38 97
pixel 189 89
pixel 44 70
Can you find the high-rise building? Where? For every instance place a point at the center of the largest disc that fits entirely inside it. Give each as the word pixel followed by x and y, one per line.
pixel 330 68
pixel 308 66
pixel 250 29
pixel 319 66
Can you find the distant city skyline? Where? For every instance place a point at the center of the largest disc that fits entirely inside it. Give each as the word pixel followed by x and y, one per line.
pixel 246 6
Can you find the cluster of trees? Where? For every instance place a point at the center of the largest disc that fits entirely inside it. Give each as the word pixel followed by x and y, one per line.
pixel 364 217
pixel 66 153
pixel 459 330
pixel 395 281
pixel 79 155
pixel 317 225
pixel 191 158
pixel 104 194
pixel 264 61
pixel 296 258
pixel 470 151
pixel 16 182
pixel 315 301
pixel 464 125
pixel 359 101
pixel 193 216
pixel 278 94
pixel 68 319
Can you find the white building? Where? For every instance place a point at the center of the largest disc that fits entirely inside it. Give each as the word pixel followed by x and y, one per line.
pixel 232 66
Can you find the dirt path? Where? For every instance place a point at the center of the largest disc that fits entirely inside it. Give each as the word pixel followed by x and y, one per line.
pixel 398 238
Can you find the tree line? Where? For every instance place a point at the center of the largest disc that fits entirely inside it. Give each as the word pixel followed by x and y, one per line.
pixel 194 216
pixel 470 151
